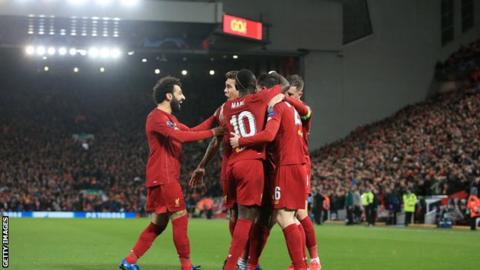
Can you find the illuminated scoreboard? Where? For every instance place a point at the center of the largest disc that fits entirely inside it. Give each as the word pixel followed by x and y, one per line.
pixel 242 27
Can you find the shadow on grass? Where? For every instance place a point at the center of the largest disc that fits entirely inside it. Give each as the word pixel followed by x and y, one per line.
pixel 108 266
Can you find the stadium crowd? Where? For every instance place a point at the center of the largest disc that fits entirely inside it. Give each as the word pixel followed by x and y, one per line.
pixel 88 154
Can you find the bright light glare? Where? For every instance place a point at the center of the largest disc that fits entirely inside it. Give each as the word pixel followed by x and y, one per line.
pixel 157 71
pixel 212 72
pixel 115 52
pixel 93 52
pixel 51 51
pixel 29 50
pixel 62 51
pixel 184 72
pixel 40 50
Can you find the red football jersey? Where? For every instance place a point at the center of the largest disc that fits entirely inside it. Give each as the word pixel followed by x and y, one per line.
pixel 284 128
pixel 246 116
pixel 165 135
pixel 305 115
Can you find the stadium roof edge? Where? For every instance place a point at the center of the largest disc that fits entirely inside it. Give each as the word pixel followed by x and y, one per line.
pixel 144 10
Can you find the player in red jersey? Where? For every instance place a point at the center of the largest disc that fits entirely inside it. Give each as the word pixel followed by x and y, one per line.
pixel 284 129
pixel 231 93
pixel 261 228
pixel 165 136
pixel 294 95
pixel 245 116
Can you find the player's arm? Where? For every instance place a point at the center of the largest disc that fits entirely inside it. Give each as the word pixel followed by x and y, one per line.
pixel 197 175
pixel 304 111
pixel 182 135
pixel 265 136
pixel 205 125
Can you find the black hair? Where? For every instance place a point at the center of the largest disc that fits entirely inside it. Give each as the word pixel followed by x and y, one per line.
pixel 245 82
pixel 163 86
pixel 268 80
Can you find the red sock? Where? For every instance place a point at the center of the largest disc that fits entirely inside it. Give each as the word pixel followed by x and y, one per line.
pixel 294 245
pixel 145 241
pixel 239 240
pixel 302 234
pixel 310 237
pixel 231 226
pixel 181 241
pixel 258 239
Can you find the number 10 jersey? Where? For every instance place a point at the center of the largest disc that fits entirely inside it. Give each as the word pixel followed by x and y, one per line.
pixel 246 116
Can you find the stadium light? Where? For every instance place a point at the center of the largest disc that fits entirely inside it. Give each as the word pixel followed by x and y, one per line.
pixel 131 52
pixel 235 56
pixel 51 51
pixel 104 52
pixel 102 69
pixel 211 72
pixel 45 58
pixel 46 68
pixel 115 53
pixel 103 3
pixel 129 3
pixel 29 50
pixel 157 71
pixel 62 51
pixel 144 60
pixel 76 2
pixel 75 69
pixel 184 72
pixel 93 52
pixel 40 50
pixel 72 51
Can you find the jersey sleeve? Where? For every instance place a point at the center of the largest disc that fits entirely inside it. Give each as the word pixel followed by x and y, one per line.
pixel 164 128
pixel 302 109
pixel 207 124
pixel 268 134
pixel 267 95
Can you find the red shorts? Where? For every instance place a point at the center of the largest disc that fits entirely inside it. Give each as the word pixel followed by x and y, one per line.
pixel 245 183
pixel 165 198
pixel 289 187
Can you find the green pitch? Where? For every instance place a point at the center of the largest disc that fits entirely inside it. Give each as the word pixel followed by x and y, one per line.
pixel 42 244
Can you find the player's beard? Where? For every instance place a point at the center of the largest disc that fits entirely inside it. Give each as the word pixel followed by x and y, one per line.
pixel 175 105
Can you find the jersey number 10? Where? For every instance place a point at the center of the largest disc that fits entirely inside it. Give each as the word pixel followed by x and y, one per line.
pixel 238 123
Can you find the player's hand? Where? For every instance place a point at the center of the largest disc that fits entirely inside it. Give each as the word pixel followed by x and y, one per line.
pixel 234 140
pixel 275 100
pixel 197 177
pixel 218 131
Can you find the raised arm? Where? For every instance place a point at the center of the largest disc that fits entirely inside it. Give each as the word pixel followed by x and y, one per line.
pixel 304 111
pixel 182 135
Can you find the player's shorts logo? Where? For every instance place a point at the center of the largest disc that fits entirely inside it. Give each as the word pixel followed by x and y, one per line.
pixel 177 202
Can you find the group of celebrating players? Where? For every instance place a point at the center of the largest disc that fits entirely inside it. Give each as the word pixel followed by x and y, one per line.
pixel 264 129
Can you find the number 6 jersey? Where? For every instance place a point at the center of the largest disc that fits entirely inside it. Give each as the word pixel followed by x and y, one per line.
pixel 246 116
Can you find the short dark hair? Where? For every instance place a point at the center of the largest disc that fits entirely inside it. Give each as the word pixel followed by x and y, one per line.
pixel 271 79
pixel 268 80
pixel 163 86
pixel 245 81
pixel 296 80
pixel 232 74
